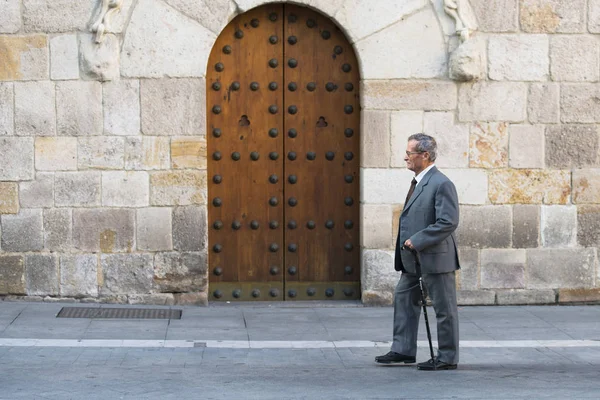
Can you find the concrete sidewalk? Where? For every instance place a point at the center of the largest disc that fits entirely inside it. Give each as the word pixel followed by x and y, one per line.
pixel 292 350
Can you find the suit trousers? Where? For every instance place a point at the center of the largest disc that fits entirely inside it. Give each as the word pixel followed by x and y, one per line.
pixel 407 311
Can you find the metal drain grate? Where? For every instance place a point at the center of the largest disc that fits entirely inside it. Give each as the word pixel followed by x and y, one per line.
pixel 124 313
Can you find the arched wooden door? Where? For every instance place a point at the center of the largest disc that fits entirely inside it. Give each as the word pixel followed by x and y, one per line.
pixel 283 168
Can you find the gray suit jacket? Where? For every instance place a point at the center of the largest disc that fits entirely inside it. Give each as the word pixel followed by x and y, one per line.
pixel 429 220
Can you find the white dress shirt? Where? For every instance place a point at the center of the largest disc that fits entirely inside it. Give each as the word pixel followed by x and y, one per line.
pixel 422 174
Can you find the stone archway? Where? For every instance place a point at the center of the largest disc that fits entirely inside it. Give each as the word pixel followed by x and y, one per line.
pixel 172 68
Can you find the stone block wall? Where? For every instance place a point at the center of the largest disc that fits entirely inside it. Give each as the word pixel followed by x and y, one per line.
pixel 103 181
pixel 520 144
pixel 103 153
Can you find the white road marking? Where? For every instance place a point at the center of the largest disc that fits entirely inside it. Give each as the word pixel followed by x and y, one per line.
pixel 272 344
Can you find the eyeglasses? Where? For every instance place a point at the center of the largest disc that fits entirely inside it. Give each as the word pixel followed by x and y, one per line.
pixel 409 153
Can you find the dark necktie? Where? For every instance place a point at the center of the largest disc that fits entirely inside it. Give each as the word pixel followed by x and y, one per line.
pixel 413 185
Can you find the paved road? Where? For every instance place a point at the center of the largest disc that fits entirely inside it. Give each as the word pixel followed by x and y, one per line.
pixel 298 351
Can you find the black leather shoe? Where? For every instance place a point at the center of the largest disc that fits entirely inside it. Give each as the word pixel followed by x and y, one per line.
pixel 434 365
pixel 393 357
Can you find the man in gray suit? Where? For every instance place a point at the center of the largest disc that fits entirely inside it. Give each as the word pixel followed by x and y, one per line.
pixel 427 225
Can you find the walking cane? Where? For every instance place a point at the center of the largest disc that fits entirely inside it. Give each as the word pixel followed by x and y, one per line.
pixel 422 287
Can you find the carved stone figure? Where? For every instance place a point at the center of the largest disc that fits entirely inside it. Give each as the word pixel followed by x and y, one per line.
pixel 457 10
pixel 466 62
pixel 104 15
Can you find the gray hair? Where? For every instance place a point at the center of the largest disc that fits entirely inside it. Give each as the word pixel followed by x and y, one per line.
pixel 425 143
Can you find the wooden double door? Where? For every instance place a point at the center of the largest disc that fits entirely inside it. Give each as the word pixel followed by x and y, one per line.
pixel 283 126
